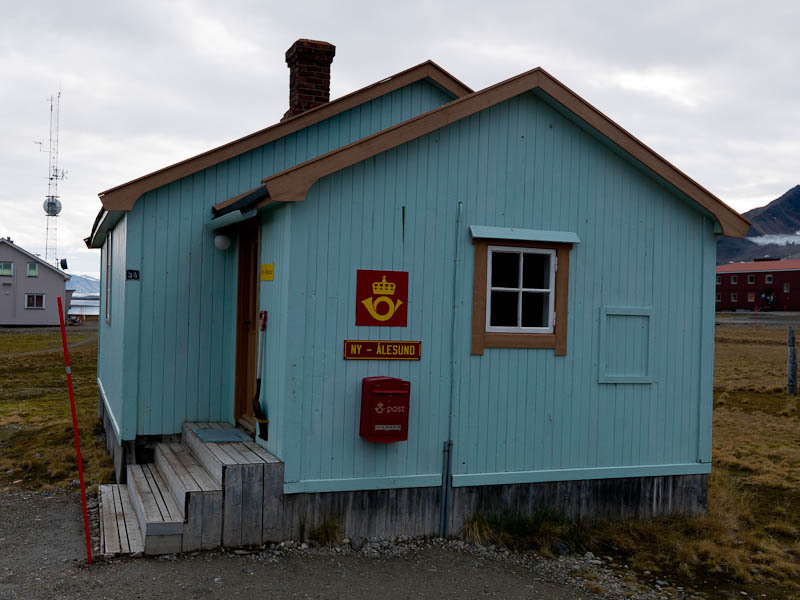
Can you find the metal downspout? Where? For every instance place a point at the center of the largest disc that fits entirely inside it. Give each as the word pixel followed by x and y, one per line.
pixel 447 449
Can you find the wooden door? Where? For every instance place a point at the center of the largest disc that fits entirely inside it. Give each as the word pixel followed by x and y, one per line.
pixel 247 322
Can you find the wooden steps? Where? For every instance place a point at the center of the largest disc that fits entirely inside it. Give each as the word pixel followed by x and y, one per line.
pixel 119 528
pixel 202 508
pixel 196 495
pixel 160 517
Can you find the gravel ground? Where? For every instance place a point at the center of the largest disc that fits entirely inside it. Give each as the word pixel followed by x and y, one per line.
pixel 42 556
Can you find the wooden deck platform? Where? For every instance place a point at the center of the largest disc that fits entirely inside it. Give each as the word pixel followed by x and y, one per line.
pixel 119 527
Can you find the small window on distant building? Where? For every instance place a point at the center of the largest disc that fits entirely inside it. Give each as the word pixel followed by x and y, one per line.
pixel 768 278
pixel 751 279
pixel 734 280
pixel 33 270
pixel 34 301
pixel 719 279
pixel 751 297
pixel 785 288
pixel 6 269
pixel 734 298
pixel 719 297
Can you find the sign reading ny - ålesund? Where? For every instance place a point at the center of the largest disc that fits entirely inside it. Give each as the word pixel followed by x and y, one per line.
pixel 388 350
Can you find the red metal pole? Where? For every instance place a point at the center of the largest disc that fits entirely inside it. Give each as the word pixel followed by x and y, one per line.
pixel 75 430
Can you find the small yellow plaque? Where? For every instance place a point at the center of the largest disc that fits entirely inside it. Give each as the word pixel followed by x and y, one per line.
pixel 268 272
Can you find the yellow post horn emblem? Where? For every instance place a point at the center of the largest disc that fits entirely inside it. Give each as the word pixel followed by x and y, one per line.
pixel 385 289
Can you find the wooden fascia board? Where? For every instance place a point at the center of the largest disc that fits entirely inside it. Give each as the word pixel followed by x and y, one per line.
pixel 733 224
pixel 293 184
pixel 123 197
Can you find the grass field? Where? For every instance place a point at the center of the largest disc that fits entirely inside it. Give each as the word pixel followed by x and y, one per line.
pixel 36 440
pixel 749 541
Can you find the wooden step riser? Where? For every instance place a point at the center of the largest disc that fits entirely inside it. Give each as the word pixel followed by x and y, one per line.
pixel 163 544
pixel 203 455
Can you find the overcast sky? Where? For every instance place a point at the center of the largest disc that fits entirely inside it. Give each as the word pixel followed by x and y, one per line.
pixel 712 86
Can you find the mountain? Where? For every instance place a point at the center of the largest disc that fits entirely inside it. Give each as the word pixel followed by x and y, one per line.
pixel 775 232
pixel 83 284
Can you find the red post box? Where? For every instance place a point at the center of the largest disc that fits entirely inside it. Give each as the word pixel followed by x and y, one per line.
pixel 384 409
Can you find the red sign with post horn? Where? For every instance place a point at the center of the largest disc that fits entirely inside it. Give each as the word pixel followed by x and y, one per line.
pixel 382 298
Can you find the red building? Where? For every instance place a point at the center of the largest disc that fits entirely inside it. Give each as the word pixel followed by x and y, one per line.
pixel 765 284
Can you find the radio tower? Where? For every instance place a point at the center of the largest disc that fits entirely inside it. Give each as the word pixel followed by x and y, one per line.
pixel 52 205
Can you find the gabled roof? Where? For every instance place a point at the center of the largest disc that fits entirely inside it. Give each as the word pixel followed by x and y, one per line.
pixel 759 266
pixel 34 257
pixel 123 197
pixel 293 184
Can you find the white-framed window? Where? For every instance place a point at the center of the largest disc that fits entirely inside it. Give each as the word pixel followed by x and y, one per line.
pixel 109 258
pixel 768 278
pixel 734 298
pixel 786 288
pixel 34 301
pixel 33 269
pixel 6 269
pixel 719 297
pixel 719 279
pixel 520 290
pixel 751 279
pixel 751 297
pixel 734 279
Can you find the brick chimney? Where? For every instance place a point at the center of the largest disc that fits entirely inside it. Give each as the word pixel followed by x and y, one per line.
pixel 309 64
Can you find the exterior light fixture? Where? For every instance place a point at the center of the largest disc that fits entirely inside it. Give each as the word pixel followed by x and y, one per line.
pixel 222 242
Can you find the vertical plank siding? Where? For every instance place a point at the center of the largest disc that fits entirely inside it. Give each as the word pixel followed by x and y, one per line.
pixel 110 334
pixel 172 360
pixel 518 415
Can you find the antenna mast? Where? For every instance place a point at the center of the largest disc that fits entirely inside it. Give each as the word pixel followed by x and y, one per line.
pixel 52 204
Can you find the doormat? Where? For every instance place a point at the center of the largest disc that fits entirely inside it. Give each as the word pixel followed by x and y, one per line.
pixel 219 436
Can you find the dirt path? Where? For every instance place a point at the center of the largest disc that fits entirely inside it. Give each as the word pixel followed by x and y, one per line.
pixel 42 552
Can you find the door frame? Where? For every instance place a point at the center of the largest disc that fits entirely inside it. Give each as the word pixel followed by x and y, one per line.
pixel 249 246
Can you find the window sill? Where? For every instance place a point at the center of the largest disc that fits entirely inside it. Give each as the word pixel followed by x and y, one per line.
pixel 519 340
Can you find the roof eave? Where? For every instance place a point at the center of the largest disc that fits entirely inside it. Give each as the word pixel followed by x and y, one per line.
pixel 123 197
pixel 292 185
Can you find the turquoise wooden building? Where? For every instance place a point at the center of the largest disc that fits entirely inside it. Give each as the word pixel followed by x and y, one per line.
pixel 560 285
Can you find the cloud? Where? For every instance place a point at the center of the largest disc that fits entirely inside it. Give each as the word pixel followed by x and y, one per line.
pixel 711 86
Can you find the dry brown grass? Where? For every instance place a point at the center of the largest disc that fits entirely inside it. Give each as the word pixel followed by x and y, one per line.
pixel 750 538
pixel 36 439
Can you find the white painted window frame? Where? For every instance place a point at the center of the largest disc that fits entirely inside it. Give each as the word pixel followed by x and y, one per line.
pixel 751 279
pixel 768 278
pixel 786 288
pixel 734 297
pixel 12 269
pixel 35 269
pixel 33 295
pixel 520 290
pixel 734 280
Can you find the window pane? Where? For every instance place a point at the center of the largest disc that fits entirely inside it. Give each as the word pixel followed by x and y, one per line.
pixel 5 268
pixel 28 301
pixel 39 301
pixel 505 269
pixel 32 269
pixel 536 309
pixel 503 309
pixel 536 271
